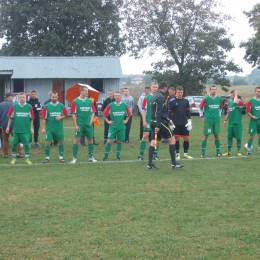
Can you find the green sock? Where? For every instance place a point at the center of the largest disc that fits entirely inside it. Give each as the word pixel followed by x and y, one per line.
pixel 230 142
pixel 239 144
pixel 217 144
pixel 259 143
pixel 90 150
pixel 61 150
pixel 47 150
pixel 14 150
pixel 203 146
pixel 75 149
pixel 27 151
pixel 157 149
pixel 249 143
pixel 142 147
pixel 118 149
pixel 107 149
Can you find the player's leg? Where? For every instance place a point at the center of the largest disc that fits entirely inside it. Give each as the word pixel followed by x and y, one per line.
pixel 76 142
pixel 142 147
pixel 47 148
pixel 16 140
pixel 89 134
pixel 186 146
pixel 156 149
pixel 128 128
pixel 60 137
pixel 216 131
pixel 150 165
pixel 120 137
pixel 110 137
pixel 237 130
pixel 230 135
pixel 177 145
pixel 252 130
pixel 25 140
pixel 258 132
pixel 207 130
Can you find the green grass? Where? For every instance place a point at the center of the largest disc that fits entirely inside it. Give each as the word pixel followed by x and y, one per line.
pixel 120 210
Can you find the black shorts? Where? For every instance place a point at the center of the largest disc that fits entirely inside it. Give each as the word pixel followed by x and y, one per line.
pixel 181 130
pixel 164 132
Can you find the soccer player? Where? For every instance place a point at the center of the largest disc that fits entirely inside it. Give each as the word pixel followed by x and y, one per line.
pixel 146 115
pixel 234 118
pixel 83 111
pixel 160 126
pixel 253 110
pixel 179 109
pixel 129 100
pixel 52 116
pixel 22 115
pixel 119 114
pixel 211 118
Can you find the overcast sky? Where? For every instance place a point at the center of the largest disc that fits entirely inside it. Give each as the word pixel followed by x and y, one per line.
pixel 240 29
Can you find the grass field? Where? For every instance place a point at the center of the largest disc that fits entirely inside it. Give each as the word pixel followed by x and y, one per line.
pixel 121 210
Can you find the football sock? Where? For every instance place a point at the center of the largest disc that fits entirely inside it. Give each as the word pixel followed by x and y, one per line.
pixel 118 149
pixel 230 142
pixel 61 150
pixel 217 144
pixel 157 149
pixel 107 149
pixel 249 143
pixel 142 147
pixel 258 142
pixel 177 146
pixel 27 150
pixel 75 149
pixel 90 150
pixel 151 151
pixel 14 149
pixel 47 150
pixel 172 153
pixel 239 144
pixel 186 145
pixel 203 146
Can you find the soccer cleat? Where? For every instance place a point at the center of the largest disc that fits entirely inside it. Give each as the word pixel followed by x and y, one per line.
pixel 27 161
pixel 74 160
pixel 248 153
pixel 118 159
pixel 178 157
pixel 219 155
pixel 203 155
pixel 140 158
pixel 104 159
pixel 37 144
pixel 156 158
pixel 127 141
pixel 177 166
pixel 13 161
pixel 226 154
pixel 19 155
pixel 186 156
pixel 46 160
pixel 62 160
pixel 239 154
pixel 6 156
pixel 152 167
pixel 92 159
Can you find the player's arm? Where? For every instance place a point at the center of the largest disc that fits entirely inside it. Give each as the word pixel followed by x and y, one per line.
pixel 128 114
pixel 43 117
pixel 248 110
pixel 10 114
pixel 32 117
pixel 105 115
pixel 201 107
pixel 144 112
pixel 73 110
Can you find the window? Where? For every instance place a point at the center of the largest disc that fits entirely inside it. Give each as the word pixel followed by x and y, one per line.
pixel 97 84
pixel 18 85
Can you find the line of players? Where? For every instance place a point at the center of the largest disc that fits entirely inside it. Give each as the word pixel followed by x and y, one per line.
pixel 160 117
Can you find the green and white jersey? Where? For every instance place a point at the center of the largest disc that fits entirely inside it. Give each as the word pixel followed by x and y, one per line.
pixel 83 108
pixel 147 106
pixel 117 113
pixel 253 106
pixel 22 116
pixel 235 112
pixel 212 108
pixel 50 112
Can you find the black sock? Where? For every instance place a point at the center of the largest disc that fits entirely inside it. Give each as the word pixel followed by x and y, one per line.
pixel 172 153
pixel 186 145
pixel 177 146
pixel 151 151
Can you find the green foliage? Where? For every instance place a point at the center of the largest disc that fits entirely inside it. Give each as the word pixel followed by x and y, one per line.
pixel 254 77
pixel 190 35
pixel 61 28
pixel 252 45
pixel 238 81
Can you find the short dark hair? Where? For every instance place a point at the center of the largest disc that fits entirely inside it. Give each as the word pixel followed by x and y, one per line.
pixel 171 88
pixel 179 88
pixel 163 84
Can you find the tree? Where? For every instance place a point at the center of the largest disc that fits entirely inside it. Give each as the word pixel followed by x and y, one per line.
pixel 254 77
pixel 239 81
pixel 191 36
pixel 252 46
pixel 61 27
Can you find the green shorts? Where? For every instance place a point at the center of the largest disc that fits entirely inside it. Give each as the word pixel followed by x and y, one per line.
pixel 87 130
pixel 254 127
pixel 116 134
pixel 21 138
pixel 148 129
pixel 211 128
pixel 57 136
pixel 234 131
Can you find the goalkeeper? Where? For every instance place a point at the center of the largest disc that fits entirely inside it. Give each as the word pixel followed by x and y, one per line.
pixel 179 109
pixel 160 125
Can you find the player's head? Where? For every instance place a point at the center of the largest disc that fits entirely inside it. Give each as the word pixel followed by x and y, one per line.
pixel 22 97
pixel 233 93
pixel 213 90
pixel 117 96
pixel 171 91
pixel 83 91
pixel 163 86
pixel 154 87
pixel 179 92
pixel 110 94
pixel 257 92
pixel 54 97
pixel 126 92
pixel 33 94
pixel 146 90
